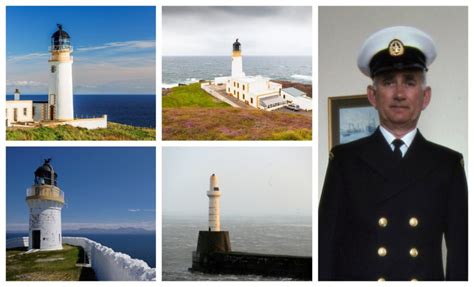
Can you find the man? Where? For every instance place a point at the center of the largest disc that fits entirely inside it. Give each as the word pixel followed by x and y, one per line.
pixel 388 199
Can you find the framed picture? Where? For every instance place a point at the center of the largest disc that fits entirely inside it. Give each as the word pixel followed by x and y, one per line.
pixel 350 118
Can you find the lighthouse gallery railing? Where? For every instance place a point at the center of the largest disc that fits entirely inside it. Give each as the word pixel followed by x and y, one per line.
pixel 47 191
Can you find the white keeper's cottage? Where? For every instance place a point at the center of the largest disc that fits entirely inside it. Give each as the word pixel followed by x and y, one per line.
pixel 257 91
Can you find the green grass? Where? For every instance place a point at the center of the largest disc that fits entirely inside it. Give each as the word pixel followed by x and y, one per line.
pixel 113 131
pixel 234 124
pixel 191 96
pixel 57 265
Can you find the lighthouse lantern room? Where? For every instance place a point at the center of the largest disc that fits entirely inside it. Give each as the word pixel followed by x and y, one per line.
pixel 45 201
pixel 237 70
pixel 60 95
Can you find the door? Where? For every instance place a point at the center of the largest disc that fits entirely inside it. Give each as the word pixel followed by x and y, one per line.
pixel 15 115
pixel 51 112
pixel 36 239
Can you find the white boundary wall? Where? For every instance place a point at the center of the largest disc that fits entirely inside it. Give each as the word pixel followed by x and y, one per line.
pixel 108 265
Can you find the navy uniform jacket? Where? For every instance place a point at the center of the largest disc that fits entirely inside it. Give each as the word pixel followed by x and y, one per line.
pixel 384 219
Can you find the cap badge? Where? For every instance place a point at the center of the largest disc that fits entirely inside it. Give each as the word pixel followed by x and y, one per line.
pixel 396 48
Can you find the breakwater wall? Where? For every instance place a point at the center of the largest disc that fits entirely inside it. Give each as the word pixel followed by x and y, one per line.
pixel 107 264
pixel 296 267
pixel 214 255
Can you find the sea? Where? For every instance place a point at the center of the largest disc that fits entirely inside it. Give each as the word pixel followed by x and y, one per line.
pixel 289 235
pixel 140 246
pixel 189 69
pixel 134 110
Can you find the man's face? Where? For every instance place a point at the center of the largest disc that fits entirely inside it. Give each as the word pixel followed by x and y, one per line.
pixel 399 98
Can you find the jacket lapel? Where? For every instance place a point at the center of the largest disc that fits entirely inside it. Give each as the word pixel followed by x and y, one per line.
pixel 398 176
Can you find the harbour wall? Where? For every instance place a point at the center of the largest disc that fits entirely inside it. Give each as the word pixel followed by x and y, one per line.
pixel 214 255
pixel 296 267
pixel 107 264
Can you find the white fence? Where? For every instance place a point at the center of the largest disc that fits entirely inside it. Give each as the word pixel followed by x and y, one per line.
pixel 107 264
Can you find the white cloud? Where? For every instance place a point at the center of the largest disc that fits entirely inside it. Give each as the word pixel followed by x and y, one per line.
pixel 27 57
pixel 128 45
pixel 141 210
pixel 25 83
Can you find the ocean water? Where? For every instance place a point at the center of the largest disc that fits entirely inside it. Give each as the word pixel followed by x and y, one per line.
pixel 135 110
pixel 193 68
pixel 276 235
pixel 140 246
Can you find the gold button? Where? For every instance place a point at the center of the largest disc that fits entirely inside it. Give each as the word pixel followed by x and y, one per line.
pixel 382 251
pixel 413 252
pixel 414 279
pixel 413 222
pixel 381 279
pixel 383 222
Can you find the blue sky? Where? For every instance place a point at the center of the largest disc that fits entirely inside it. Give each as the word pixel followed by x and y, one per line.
pixel 103 187
pixel 114 48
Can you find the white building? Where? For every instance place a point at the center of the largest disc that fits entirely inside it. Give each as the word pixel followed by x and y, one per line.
pixel 257 91
pixel 297 97
pixel 18 111
pixel 45 201
pixel 59 109
pixel 214 195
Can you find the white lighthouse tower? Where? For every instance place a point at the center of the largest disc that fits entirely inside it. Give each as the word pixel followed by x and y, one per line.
pixel 60 96
pixel 45 201
pixel 214 195
pixel 237 70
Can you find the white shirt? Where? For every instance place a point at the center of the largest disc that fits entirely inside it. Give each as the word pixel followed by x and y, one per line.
pixel 407 139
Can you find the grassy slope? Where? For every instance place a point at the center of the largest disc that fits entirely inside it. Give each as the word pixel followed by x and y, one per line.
pixel 189 113
pixel 30 267
pixel 191 96
pixel 114 131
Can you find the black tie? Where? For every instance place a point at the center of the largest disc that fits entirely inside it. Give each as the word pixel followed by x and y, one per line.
pixel 397 152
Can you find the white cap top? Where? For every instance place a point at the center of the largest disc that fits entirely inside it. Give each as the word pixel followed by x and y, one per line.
pixel 383 39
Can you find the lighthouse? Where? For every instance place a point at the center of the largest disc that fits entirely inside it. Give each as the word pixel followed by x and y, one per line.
pixel 237 60
pixel 60 96
pixel 214 195
pixel 45 201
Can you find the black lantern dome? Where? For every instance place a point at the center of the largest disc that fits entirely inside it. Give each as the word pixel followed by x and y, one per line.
pixel 45 174
pixel 236 45
pixel 60 40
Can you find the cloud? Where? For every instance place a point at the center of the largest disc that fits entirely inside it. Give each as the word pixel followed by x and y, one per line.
pixel 26 83
pixel 128 45
pixel 115 67
pixel 141 210
pixel 27 57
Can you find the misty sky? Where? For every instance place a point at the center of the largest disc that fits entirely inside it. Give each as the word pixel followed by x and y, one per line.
pixel 209 31
pixel 257 181
pixel 114 48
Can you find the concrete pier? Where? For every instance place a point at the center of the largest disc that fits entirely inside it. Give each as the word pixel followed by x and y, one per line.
pixel 214 255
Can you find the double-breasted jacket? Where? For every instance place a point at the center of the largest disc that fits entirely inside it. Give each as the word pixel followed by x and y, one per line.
pixel 384 219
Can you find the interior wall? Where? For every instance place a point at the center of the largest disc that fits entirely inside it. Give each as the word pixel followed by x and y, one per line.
pixel 342 30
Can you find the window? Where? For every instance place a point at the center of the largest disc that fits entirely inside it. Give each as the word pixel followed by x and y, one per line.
pixel 284 96
pixel 237 85
pixel 33 111
pixel 25 111
pixel 251 100
pixel 228 90
pixel 234 84
pixel 53 68
pixel 243 87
